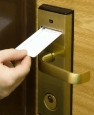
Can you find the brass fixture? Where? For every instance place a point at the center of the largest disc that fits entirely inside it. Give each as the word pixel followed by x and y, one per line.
pixel 55 63
pixel 69 77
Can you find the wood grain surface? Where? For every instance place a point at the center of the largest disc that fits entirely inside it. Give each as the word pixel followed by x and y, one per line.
pixel 83 97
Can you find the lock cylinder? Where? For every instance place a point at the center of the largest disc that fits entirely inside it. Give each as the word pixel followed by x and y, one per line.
pixel 50 102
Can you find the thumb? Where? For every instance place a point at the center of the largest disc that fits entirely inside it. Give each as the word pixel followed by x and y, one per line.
pixel 12 54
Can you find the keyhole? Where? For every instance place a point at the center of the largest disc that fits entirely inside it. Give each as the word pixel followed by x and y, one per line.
pixel 50 99
pixel 50 102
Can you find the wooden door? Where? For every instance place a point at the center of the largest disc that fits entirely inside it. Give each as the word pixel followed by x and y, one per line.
pixel 83 95
pixel 17 22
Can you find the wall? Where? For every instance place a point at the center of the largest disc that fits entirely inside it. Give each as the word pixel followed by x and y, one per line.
pixel 83 96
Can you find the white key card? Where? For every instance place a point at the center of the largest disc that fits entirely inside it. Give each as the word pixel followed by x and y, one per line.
pixel 39 41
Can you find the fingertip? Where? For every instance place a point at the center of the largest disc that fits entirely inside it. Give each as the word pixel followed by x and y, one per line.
pixel 27 61
pixel 23 51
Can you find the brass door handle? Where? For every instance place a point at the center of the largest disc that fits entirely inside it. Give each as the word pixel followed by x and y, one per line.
pixel 69 77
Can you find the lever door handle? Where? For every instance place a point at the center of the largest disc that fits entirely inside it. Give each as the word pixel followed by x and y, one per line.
pixel 69 77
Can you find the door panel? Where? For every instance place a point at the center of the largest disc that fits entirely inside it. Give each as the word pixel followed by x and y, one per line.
pixel 83 95
pixel 17 22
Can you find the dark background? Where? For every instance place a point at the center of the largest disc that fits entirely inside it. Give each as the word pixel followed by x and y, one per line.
pixel 17 22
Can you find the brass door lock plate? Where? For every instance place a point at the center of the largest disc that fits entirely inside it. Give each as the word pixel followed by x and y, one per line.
pixel 55 77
